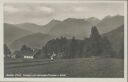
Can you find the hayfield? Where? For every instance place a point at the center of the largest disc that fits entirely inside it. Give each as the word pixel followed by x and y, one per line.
pixel 94 67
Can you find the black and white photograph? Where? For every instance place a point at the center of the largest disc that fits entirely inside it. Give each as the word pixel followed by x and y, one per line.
pixel 64 40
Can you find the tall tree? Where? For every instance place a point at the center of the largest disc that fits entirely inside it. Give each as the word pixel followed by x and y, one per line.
pixel 25 48
pixel 106 47
pixel 95 35
pixel 73 48
pixel 95 39
pixel 6 51
pixel 100 46
pixel 121 52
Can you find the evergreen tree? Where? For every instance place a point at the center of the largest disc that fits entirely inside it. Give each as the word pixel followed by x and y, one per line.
pixel 6 51
pixel 95 45
pixel 95 35
pixel 99 46
pixel 18 54
pixel 121 52
pixel 73 48
pixel 106 47
pixel 25 48
pixel 95 39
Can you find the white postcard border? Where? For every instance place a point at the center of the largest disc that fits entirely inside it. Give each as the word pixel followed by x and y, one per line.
pixel 63 79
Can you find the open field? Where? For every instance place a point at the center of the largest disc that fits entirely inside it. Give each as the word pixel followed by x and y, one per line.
pixel 80 67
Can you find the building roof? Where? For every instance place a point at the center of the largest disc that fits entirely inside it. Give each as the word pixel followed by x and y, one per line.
pixel 30 53
pixel 26 53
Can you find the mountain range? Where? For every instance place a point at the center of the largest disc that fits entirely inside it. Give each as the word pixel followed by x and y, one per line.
pixel 35 35
pixel 12 33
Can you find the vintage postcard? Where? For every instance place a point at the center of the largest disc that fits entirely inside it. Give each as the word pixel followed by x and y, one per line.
pixel 60 40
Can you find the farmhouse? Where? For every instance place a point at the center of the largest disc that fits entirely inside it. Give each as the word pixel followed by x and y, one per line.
pixel 30 54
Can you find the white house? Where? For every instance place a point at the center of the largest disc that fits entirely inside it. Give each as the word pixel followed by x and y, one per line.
pixel 30 55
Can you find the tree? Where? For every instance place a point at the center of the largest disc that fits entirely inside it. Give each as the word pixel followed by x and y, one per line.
pixel 73 48
pixel 95 35
pixel 95 45
pixel 58 46
pixel 98 45
pixel 121 52
pixel 25 48
pixel 106 47
pixel 44 52
pixel 95 39
pixel 18 54
pixel 7 51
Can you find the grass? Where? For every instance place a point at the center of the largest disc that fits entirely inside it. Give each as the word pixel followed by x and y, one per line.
pixel 79 67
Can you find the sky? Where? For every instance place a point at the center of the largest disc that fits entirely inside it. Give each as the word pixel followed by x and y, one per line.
pixel 42 13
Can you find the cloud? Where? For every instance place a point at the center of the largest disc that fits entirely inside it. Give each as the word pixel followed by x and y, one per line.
pixel 10 9
pixel 45 9
pixel 42 13
pixel 80 9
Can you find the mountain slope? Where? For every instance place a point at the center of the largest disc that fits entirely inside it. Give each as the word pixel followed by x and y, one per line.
pixel 94 21
pixel 116 38
pixel 46 28
pixel 29 26
pixel 12 32
pixel 36 40
pixel 110 23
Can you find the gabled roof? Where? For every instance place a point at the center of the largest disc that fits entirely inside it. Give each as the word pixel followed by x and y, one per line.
pixel 26 53
pixel 30 53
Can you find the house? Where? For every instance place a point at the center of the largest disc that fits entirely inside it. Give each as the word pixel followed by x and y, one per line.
pixel 30 54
